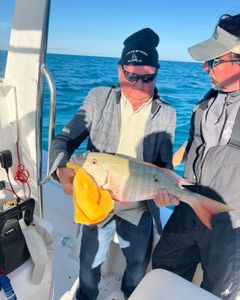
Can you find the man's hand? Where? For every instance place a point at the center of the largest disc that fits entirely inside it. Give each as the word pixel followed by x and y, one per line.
pixel 163 198
pixel 66 177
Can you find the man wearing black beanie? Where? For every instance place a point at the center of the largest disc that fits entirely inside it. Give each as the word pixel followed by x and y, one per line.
pixel 140 49
pixel 129 119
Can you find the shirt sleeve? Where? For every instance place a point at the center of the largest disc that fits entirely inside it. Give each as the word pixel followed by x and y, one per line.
pixel 72 135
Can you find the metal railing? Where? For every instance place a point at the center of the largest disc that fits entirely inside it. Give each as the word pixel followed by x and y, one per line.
pixel 52 113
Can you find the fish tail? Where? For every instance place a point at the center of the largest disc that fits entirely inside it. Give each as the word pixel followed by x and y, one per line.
pixel 205 208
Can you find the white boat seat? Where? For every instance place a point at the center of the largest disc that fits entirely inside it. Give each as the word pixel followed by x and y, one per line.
pixel 160 284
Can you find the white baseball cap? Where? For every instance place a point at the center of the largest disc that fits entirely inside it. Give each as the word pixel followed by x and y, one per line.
pixel 220 43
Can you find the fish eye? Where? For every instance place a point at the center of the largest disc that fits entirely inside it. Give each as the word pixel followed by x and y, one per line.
pixel 94 161
pixel 155 178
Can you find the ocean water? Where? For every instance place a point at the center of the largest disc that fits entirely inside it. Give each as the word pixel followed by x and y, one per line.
pixel 182 84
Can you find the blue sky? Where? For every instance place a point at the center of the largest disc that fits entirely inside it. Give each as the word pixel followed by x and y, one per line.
pixel 98 27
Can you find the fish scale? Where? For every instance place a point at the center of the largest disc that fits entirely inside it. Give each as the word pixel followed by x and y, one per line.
pixel 140 184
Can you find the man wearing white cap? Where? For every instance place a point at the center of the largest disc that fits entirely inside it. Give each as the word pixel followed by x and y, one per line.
pixel 212 157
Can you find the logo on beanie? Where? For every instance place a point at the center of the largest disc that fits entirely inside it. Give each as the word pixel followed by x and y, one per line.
pixel 135 56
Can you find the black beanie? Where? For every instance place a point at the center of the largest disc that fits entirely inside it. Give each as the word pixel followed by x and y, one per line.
pixel 140 49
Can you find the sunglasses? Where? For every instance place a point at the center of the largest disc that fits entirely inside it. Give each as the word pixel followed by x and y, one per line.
pixel 132 77
pixel 212 62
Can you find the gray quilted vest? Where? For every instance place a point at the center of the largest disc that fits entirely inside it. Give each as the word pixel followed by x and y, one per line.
pixel 217 175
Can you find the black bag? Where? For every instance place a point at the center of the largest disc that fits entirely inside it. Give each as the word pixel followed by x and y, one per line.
pixel 13 248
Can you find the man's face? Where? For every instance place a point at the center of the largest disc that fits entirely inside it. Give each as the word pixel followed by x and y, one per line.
pixel 137 90
pixel 224 72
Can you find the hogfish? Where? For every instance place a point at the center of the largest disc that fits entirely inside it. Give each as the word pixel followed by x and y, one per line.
pixel 131 180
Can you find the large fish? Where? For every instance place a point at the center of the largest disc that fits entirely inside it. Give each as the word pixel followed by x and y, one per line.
pixel 131 180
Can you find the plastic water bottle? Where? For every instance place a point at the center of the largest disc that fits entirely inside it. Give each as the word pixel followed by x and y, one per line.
pixel 64 240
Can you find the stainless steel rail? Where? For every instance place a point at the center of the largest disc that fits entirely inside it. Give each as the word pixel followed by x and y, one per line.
pixel 52 113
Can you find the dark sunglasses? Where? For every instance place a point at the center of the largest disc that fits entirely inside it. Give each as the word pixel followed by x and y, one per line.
pixel 215 61
pixel 132 77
